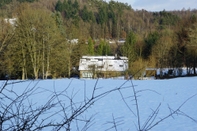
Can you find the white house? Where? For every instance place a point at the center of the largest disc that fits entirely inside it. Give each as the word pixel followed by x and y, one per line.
pixel 102 66
pixel 11 21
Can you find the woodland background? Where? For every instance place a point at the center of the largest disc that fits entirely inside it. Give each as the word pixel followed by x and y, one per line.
pixel 39 44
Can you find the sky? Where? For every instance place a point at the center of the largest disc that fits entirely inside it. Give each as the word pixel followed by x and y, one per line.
pixel 160 5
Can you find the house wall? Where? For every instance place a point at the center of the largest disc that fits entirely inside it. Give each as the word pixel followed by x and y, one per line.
pixel 102 74
pixel 102 66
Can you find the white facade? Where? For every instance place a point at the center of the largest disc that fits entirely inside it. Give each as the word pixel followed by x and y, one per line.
pixel 88 64
pixel 11 21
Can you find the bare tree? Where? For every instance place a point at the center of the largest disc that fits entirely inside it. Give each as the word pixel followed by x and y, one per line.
pixel 192 51
pixel 37 34
pixel 6 34
pixel 151 121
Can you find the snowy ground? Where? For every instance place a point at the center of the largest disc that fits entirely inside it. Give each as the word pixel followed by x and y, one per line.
pixel 171 94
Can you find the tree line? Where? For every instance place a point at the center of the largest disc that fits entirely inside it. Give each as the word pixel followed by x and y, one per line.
pixel 39 44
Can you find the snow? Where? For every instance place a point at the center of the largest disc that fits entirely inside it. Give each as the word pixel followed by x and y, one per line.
pixel 170 93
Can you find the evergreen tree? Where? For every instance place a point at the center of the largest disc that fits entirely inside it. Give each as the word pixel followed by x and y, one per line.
pixel 90 47
pixel 129 47
pixel 4 2
pixel 103 48
pixel 85 14
pixel 59 6
pixel 150 41
pixel 102 15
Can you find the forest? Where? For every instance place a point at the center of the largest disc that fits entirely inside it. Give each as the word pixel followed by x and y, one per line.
pixel 38 45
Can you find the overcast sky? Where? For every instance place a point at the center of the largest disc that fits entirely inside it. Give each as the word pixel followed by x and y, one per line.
pixel 160 5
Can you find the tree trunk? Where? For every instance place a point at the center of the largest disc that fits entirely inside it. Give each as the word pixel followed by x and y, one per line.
pixel 24 65
pixel 194 65
pixel 48 65
pixel 43 55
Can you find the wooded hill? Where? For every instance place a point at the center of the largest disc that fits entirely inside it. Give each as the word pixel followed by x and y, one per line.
pixel 39 44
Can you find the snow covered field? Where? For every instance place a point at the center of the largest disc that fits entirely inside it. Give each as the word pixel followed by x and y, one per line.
pixel 115 110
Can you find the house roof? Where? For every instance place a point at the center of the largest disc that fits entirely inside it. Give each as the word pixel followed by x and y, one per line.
pixel 105 57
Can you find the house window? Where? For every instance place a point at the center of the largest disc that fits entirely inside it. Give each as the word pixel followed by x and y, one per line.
pixel 100 66
pixel 88 59
pixel 120 65
pixel 91 66
pixel 110 65
pixel 87 75
pixel 83 60
pixel 100 59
